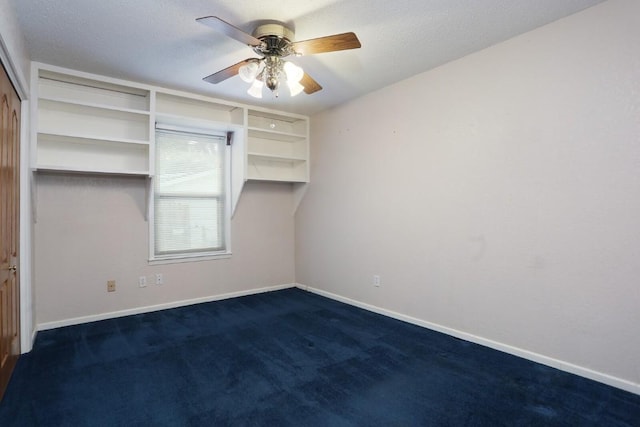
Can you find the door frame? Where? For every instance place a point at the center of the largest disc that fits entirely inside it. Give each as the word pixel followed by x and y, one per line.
pixel 27 330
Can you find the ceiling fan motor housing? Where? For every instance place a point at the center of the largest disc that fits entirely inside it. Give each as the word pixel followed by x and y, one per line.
pixel 277 40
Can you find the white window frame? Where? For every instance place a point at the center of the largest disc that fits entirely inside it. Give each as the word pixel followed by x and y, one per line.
pixel 192 256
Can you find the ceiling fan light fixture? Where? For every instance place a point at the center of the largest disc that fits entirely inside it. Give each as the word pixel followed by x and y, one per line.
pixel 248 72
pixel 295 87
pixel 293 72
pixel 272 82
pixel 256 89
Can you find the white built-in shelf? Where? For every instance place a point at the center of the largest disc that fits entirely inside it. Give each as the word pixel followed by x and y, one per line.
pixel 196 111
pixel 90 105
pixel 268 167
pixel 78 120
pixel 81 90
pixel 261 169
pixel 275 136
pixel 278 146
pixel 276 157
pixel 91 125
pixel 277 122
pixel 82 154
pixel 83 123
pixel 88 170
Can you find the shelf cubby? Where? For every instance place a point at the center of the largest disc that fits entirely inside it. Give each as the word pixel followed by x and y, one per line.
pixel 268 168
pixel 66 153
pixel 278 146
pixel 195 109
pixel 64 87
pixel 78 120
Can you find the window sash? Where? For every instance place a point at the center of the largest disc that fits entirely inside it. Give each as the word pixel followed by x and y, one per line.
pixel 187 189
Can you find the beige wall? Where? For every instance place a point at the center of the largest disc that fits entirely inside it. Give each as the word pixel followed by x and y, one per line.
pixel 91 229
pixel 497 196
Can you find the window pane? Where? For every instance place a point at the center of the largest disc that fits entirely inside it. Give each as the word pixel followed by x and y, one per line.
pixel 188 225
pixel 189 163
pixel 189 210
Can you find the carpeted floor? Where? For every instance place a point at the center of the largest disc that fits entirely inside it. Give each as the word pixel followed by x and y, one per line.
pixel 290 358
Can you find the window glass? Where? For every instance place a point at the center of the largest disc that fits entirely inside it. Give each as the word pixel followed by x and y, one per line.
pixel 189 194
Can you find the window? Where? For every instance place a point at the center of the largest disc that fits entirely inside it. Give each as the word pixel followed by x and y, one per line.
pixel 190 195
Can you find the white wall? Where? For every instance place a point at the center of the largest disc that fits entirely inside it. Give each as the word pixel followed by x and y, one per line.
pixel 498 196
pixel 91 229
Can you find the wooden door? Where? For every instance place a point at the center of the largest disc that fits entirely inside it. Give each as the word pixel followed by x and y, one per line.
pixel 9 229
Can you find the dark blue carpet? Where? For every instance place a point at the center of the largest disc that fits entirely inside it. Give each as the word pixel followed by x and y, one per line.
pixel 290 358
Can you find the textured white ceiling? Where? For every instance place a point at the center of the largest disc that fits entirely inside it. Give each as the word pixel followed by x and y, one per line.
pixel 159 41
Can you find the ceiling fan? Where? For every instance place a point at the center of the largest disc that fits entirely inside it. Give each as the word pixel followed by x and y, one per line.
pixel 273 42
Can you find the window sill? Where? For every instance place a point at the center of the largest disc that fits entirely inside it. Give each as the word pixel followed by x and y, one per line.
pixel 188 258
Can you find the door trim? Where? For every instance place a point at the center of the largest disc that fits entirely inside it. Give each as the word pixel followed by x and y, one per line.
pixel 19 81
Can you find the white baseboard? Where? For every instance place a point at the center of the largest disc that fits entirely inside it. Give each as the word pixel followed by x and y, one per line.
pixel 151 308
pixel 535 357
pixel 525 354
pixel 34 334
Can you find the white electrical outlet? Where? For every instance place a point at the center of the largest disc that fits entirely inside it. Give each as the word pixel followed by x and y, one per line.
pixel 142 281
pixel 159 279
pixel 376 280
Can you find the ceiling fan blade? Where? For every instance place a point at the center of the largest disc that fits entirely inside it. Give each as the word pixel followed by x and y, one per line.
pixel 227 72
pixel 229 30
pixel 310 85
pixel 327 44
